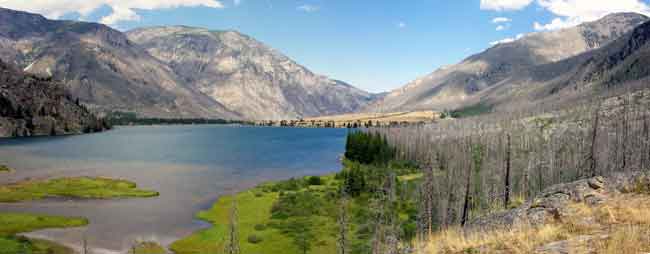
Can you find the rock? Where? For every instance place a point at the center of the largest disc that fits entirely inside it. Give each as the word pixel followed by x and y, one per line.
pixel 575 245
pixel 552 205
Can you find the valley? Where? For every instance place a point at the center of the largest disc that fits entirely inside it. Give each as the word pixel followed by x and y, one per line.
pixel 160 139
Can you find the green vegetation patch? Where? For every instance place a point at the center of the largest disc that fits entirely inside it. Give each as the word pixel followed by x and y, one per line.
pixel 13 245
pixel 15 223
pixel 76 187
pixel 254 208
pixel 148 247
pixel 5 169
pixel 469 111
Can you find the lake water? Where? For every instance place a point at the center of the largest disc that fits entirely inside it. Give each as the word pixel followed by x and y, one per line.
pixel 191 166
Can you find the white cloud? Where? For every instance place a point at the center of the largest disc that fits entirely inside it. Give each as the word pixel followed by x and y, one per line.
pixel 573 12
pixel 236 2
pixel 308 8
pixel 122 10
pixel 401 24
pixel 507 40
pixel 501 28
pixel 504 5
pixel 501 20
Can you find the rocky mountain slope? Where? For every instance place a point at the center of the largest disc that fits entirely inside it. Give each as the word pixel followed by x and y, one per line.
pixel 32 106
pixel 100 66
pixel 464 83
pixel 621 64
pixel 171 72
pixel 246 75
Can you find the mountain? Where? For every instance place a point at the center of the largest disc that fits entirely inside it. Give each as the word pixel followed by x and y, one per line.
pixel 246 75
pixel 623 63
pixel 171 72
pixel 31 106
pixel 100 66
pixel 465 83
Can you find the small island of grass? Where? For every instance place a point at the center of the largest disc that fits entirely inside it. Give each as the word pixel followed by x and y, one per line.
pixel 148 247
pixel 73 187
pixel 13 224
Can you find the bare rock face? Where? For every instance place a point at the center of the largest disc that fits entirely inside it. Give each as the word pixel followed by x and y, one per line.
pixel 34 106
pixel 247 76
pixel 468 82
pixel 100 66
pixel 171 72
pixel 552 205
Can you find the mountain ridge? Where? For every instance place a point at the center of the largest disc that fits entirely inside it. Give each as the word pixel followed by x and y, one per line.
pixel 108 71
pixel 461 84
pixel 228 64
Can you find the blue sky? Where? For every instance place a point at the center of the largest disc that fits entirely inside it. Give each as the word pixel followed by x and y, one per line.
pixel 375 45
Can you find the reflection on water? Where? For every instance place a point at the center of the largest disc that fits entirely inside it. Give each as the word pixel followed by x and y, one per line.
pixel 189 165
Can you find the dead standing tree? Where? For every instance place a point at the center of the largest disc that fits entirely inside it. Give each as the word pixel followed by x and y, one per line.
pixel 506 198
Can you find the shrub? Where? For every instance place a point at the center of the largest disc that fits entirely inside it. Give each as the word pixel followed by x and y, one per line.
pixel 314 180
pixel 254 239
pixel 260 227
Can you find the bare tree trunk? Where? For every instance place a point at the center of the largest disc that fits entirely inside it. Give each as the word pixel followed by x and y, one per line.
pixel 84 247
pixel 468 186
pixel 594 137
pixel 506 199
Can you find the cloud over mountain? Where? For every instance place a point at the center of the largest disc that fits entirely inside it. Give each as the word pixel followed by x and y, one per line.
pixel 121 10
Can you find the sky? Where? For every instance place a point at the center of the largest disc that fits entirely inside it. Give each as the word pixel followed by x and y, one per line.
pixel 376 45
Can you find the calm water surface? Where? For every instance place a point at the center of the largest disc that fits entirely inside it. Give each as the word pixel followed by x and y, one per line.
pixel 191 166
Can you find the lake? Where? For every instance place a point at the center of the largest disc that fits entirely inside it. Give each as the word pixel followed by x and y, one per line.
pixel 191 166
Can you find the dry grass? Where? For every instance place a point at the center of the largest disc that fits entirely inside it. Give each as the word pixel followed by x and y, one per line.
pixel 414 116
pixel 619 225
pixel 523 239
pixel 631 239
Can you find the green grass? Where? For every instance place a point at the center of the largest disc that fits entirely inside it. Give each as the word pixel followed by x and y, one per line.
pixel 474 110
pixel 13 245
pixel 410 177
pixel 5 169
pixel 264 214
pixel 14 223
pixel 148 248
pixel 254 207
pixel 77 187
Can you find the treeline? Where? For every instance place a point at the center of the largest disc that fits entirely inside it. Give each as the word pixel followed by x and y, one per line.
pixel 478 165
pixel 368 148
pixel 128 118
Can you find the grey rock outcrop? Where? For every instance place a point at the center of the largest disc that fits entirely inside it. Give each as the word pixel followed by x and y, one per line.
pixel 552 205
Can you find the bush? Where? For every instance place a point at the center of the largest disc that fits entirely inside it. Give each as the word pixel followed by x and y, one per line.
pixel 314 180
pixel 260 227
pixel 254 239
